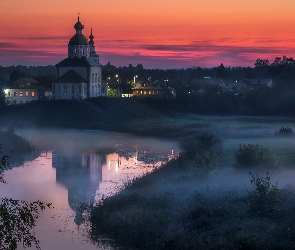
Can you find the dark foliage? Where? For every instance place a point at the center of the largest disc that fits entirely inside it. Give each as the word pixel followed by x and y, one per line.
pixel 15 75
pixel 15 144
pixel 253 155
pixel 265 197
pixel 17 221
pixel 285 131
pixel 202 153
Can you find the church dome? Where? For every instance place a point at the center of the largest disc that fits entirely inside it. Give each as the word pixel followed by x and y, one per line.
pixel 78 39
pixel 79 25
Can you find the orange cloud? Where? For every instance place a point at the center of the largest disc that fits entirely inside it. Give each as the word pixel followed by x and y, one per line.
pixel 236 32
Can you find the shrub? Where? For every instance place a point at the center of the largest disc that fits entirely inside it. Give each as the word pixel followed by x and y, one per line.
pixel 254 155
pixel 203 152
pixel 285 131
pixel 13 143
pixel 265 197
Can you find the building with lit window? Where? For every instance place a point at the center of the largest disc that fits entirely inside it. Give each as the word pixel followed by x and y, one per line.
pixel 153 89
pixel 79 75
pixel 22 91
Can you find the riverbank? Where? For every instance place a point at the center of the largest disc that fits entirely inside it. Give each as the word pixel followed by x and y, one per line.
pixel 190 203
pixel 16 147
pixel 131 116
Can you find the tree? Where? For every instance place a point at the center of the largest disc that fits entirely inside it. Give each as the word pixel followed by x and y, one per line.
pixel 220 71
pixel 112 92
pixel 261 63
pixel 15 75
pixel 265 196
pixel 283 67
pixel 262 67
pixel 17 217
pixel 254 155
pixel 45 80
pixel 2 96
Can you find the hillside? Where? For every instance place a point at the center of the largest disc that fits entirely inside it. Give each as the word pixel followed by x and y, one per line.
pixel 96 113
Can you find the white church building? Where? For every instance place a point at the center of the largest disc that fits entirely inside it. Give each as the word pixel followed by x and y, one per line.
pixel 79 75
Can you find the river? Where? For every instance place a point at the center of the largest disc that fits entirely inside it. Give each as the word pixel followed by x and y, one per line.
pixel 77 166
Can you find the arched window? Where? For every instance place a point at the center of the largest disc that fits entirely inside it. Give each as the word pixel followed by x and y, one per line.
pixel 65 89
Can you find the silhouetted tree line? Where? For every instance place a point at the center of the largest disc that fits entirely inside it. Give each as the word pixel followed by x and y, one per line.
pixel 43 74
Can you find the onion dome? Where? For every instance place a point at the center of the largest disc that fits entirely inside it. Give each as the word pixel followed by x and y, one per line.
pixel 78 38
pixel 79 25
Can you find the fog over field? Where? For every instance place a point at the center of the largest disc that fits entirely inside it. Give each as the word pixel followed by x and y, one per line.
pixel 233 131
pixel 77 166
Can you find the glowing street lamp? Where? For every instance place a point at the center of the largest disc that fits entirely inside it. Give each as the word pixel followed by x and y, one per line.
pixel 134 79
pixel 119 90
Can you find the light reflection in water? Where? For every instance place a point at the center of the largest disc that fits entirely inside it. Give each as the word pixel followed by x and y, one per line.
pixel 89 177
pixel 68 177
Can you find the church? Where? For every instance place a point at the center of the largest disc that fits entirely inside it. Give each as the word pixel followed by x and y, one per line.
pixel 79 75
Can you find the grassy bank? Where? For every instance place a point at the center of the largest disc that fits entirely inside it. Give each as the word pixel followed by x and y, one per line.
pixel 91 114
pixel 167 222
pixel 16 147
pixel 174 208
pixel 133 116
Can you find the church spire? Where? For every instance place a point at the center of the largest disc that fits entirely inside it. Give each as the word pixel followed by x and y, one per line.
pixel 91 38
pixel 92 47
pixel 79 26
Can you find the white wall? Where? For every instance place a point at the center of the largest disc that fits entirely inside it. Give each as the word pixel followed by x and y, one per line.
pixel 17 96
pixel 68 91
pixel 95 84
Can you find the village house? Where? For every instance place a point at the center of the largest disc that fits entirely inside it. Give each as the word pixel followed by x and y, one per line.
pixel 25 90
pixel 157 88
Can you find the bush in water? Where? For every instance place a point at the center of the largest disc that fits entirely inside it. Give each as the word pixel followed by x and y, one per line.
pixel 253 155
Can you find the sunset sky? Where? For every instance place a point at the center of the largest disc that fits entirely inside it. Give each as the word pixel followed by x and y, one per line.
pixel 156 33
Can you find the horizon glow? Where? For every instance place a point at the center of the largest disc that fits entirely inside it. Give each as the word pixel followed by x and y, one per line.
pixel 158 34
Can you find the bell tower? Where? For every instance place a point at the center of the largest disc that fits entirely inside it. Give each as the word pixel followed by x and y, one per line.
pixel 92 48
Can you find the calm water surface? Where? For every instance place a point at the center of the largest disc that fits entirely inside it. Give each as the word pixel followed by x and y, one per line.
pixel 75 167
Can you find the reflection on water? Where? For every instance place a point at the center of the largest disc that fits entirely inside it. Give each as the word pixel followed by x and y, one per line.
pixel 68 174
pixel 79 173
pixel 89 177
